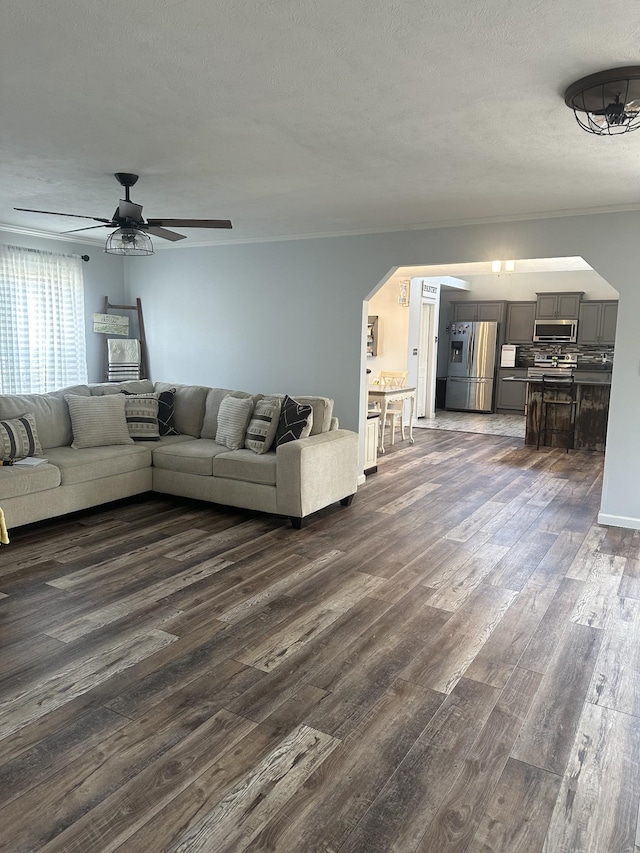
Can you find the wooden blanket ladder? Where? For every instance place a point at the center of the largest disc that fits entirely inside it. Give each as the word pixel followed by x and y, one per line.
pixel 137 308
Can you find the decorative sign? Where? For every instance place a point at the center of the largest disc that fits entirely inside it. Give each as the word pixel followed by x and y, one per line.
pixel 403 293
pixel 111 324
pixel 429 289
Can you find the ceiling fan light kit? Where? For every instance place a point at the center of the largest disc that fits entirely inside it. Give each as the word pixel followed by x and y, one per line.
pixel 607 103
pixel 129 241
pixel 131 236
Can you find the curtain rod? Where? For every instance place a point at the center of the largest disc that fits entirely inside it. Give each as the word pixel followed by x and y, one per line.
pixel 43 251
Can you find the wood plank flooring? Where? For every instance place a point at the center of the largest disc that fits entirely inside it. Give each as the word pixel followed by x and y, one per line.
pixel 451 664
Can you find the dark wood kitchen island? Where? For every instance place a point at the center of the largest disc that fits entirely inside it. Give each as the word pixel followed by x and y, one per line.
pixel 592 412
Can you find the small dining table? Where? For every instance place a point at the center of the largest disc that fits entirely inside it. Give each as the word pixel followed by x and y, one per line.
pixel 384 395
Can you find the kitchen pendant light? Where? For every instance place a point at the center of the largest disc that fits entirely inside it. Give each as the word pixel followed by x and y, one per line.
pixel 607 103
pixel 129 241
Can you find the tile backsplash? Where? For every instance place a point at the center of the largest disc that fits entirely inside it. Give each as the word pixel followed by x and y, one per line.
pixel 589 357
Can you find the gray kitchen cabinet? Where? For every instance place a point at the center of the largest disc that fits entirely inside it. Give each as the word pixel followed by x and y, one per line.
pixel 558 306
pixel 609 322
pixel 519 324
pixel 463 312
pixel 597 322
pixel 468 312
pixel 511 396
pixel 491 311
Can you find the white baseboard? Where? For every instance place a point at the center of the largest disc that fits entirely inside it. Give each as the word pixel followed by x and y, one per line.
pixel 619 521
pixel 362 480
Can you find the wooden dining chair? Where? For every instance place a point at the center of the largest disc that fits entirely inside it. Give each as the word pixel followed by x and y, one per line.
pixel 395 411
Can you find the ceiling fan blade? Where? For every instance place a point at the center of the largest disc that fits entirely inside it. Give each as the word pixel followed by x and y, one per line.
pixel 55 213
pixel 130 210
pixel 90 228
pixel 192 223
pixel 162 232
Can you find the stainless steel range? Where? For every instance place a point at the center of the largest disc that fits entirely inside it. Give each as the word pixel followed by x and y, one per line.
pixel 562 364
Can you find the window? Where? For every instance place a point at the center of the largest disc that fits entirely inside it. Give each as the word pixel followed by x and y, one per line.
pixel 42 336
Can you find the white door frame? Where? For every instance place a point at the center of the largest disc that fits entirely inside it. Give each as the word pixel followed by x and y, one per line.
pixel 427 366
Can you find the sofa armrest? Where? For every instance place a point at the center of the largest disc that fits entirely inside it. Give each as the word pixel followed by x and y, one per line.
pixel 316 471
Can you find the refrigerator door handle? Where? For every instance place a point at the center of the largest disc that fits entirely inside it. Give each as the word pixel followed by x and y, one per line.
pixel 470 351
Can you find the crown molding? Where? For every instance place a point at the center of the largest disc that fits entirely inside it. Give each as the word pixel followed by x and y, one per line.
pixel 420 226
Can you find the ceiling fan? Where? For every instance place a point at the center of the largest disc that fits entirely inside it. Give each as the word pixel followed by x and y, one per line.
pixel 131 235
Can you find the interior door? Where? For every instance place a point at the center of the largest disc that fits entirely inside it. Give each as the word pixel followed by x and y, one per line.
pixel 426 390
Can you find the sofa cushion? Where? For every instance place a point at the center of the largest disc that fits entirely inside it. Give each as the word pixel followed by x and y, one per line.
pixel 261 431
pixel 233 418
pixel 16 482
pixel 131 386
pixel 188 457
pixel 172 439
pixel 247 466
pixel 141 413
pixel 50 411
pixel 93 463
pixel 189 406
pixel 296 420
pixel 98 421
pixel 19 437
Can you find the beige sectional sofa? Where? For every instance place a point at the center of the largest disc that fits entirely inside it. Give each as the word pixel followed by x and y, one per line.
pixel 296 479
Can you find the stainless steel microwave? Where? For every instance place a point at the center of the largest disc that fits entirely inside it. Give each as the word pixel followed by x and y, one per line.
pixel 555 331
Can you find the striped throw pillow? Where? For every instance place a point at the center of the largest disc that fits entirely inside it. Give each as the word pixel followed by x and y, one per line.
pixel 263 425
pixel 141 412
pixel 98 421
pixel 233 417
pixel 18 438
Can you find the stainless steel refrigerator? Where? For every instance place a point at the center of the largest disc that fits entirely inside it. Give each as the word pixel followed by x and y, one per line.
pixel 471 367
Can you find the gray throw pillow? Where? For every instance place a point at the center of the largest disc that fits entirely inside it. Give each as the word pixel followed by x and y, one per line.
pixel 233 417
pixel 98 421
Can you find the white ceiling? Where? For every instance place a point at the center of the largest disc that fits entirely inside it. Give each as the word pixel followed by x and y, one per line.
pixel 298 117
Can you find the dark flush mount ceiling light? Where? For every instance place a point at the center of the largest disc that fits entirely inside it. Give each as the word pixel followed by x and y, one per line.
pixel 607 103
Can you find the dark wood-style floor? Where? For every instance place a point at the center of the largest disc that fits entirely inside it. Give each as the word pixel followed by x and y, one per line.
pixel 451 664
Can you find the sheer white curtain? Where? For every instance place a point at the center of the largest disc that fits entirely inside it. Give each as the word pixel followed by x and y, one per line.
pixel 42 337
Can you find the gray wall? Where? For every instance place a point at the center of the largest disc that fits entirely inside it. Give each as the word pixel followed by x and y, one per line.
pixel 103 276
pixel 288 316
pixel 263 317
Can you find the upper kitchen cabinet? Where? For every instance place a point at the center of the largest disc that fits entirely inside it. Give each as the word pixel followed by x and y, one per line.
pixel 558 306
pixel 519 326
pixel 469 312
pixel 597 322
pixel 463 312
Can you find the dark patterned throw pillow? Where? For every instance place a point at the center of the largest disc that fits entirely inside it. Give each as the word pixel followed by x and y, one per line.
pixel 295 421
pixel 166 407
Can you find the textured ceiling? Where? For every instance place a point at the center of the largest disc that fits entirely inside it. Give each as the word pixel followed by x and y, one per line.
pixel 299 117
